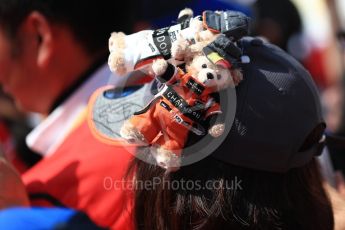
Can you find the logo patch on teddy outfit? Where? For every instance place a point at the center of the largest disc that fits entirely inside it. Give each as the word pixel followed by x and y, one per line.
pixel 195 87
pixel 192 112
pixel 161 39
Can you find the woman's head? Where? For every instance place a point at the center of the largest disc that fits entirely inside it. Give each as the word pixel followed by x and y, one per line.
pixel 264 175
pixel 211 194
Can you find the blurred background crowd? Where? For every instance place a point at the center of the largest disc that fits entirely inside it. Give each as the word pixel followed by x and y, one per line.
pixel 313 31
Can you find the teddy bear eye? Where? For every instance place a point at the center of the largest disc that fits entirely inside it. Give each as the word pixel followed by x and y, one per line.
pixel 219 76
pixel 204 66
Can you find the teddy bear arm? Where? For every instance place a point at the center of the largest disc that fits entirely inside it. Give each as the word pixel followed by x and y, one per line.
pixel 179 48
pixel 215 120
pixel 169 75
pixel 165 72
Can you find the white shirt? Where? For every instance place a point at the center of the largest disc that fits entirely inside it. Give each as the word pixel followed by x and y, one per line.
pixel 52 131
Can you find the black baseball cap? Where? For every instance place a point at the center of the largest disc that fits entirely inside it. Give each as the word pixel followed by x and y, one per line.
pixel 277 109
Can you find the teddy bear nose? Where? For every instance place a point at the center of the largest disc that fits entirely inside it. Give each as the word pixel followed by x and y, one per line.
pixel 210 76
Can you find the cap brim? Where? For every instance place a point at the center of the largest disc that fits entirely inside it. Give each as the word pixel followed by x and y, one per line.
pixel 106 114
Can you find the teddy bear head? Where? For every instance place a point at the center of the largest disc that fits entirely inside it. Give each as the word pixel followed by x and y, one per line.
pixel 212 76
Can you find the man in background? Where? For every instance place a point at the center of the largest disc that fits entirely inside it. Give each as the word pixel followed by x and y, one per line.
pixel 53 55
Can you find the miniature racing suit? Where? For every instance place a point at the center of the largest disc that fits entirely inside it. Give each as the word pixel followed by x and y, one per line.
pixel 181 106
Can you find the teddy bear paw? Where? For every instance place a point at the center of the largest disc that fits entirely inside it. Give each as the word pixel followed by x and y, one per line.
pixel 116 41
pixel 116 62
pixel 216 130
pixel 167 159
pixel 132 134
pixel 159 66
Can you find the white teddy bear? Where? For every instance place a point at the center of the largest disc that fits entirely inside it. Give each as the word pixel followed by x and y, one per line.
pixel 138 50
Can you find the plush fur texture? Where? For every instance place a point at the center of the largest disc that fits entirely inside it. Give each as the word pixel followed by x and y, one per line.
pixel 133 51
pixel 183 50
pixel 213 78
pixel 116 60
pixel 132 134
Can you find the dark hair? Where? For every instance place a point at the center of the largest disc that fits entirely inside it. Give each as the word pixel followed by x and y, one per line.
pixel 243 198
pixel 284 13
pixel 90 21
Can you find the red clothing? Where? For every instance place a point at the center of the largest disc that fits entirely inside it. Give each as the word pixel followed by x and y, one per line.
pixel 85 174
pixel 8 148
pixel 158 122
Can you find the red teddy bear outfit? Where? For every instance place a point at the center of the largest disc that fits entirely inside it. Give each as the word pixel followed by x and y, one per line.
pixel 181 105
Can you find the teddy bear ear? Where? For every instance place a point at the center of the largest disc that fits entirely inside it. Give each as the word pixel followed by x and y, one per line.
pixel 185 14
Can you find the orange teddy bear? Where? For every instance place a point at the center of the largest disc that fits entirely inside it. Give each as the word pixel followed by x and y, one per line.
pixel 184 104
